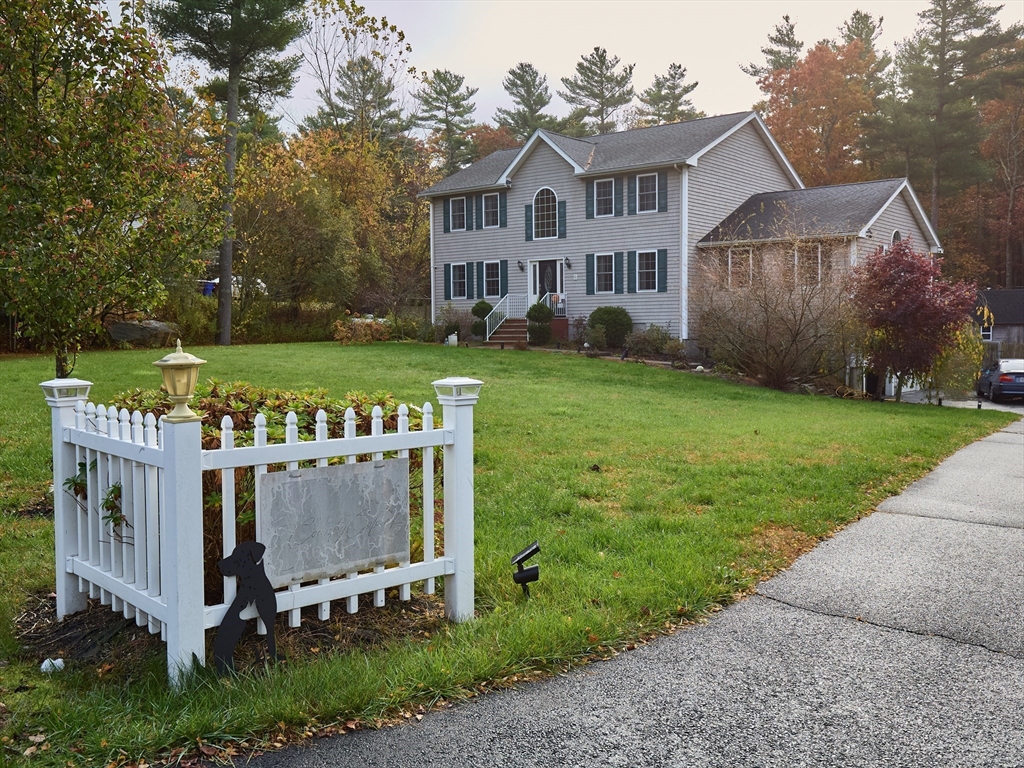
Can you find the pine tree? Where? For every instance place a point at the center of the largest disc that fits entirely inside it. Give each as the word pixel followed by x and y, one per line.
pixel 445 107
pixel 957 44
pixel 782 52
pixel 241 39
pixel 665 101
pixel 364 103
pixel 599 89
pixel 529 91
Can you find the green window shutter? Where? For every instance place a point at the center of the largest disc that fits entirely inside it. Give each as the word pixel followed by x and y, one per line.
pixel 503 210
pixel 447 279
pixel 618 271
pixel 662 270
pixel 479 211
pixel 479 279
pixel 631 195
pixel 631 271
pixel 590 274
pixel 469 280
pixel 618 195
pixel 447 215
pixel 529 223
pixel 469 213
pixel 662 191
pixel 590 199
pixel 503 274
pixel 561 219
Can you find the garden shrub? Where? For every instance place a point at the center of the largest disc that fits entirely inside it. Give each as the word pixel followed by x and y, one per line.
pixel 616 321
pixel 646 343
pixel 539 333
pixel 353 329
pixel 540 313
pixel 451 320
pixel 480 310
pixel 597 339
pixel 242 402
pixel 578 329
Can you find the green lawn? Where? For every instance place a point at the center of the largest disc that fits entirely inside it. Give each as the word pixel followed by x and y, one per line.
pixel 702 487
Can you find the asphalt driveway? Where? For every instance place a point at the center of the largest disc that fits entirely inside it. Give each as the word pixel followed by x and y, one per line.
pixel 898 642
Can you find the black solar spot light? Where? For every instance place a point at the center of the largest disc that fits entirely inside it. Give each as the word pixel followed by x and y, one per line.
pixel 524 576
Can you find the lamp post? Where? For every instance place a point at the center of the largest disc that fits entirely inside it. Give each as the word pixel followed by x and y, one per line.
pixel 181 372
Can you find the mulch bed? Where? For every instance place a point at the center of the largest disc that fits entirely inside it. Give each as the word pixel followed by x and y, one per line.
pixel 115 646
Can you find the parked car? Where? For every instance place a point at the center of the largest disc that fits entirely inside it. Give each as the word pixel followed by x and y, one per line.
pixel 1003 380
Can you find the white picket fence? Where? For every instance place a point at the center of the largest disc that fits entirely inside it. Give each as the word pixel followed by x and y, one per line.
pixel 133 534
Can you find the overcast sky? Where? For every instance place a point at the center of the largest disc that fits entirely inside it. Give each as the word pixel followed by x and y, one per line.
pixel 482 39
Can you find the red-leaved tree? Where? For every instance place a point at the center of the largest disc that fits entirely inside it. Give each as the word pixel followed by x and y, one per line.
pixel 909 313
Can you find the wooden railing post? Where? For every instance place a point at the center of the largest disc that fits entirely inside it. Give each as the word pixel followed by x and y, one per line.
pixel 458 396
pixel 181 561
pixel 62 395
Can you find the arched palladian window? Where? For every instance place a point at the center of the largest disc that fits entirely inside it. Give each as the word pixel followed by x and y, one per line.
pixel 545 214
pixel 896 237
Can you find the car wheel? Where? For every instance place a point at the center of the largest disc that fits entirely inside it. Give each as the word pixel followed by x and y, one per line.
pixel 992 396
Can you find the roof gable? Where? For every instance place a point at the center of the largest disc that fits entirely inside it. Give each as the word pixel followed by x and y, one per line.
pixel 640 148
pixel 840 210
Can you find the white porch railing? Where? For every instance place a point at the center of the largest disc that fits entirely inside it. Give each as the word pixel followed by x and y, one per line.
pixel 511 306
pixel 129 530
pixel 555 302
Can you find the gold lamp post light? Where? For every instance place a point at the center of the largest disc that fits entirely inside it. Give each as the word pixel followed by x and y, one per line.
pixel 181 372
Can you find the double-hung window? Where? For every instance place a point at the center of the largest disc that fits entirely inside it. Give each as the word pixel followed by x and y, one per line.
pixel 458 281
pixel 545 214
pixel 490 210
pixel 604 198
pixel 604 273
pixel 492 279
pixel 458 208
pixel 808 264
pixel 647 193
pixel 647 270
pixel 741 267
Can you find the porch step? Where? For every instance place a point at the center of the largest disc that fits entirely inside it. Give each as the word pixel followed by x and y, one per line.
pixel 509 332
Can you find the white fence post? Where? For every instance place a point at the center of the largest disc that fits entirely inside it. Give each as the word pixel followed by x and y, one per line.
pixel 181 560
pixel 458 395
pixel 62 395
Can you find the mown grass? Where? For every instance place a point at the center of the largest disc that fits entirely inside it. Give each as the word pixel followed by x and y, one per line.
pixel 655 495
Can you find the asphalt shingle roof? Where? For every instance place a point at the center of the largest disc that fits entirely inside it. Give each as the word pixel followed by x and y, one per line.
pixel 842 209
pixel 1006 305
pixel 608 153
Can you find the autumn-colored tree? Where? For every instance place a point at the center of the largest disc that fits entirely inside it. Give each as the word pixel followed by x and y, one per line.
pixel 486 139
pixel 104 192
pixel 814 110
pixel 910 314
pixel 1003 118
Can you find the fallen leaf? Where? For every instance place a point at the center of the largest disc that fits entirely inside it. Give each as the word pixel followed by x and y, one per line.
pixel 37 738
pixel 207 750
pixel 30 751
pixel 351 724
pixel 592 638
pixel 101 671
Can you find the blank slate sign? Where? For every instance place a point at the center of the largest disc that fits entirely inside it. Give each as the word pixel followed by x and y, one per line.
pixel 327 521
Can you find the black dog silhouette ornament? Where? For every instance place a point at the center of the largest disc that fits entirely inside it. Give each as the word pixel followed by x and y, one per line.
pixel 245 563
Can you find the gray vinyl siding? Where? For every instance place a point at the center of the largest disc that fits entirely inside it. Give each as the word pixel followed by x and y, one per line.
pixel 545 168
pixel 741 166
pixel 897 215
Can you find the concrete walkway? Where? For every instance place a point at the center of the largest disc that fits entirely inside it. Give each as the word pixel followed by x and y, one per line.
pixel 899 642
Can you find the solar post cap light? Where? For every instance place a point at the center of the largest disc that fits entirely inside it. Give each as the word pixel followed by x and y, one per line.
pixel 523 576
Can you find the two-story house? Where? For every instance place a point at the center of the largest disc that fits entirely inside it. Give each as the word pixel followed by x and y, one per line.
pixel 624 219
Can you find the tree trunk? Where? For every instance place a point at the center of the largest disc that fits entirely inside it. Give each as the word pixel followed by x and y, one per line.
pixel 899 388
pixel 227 244
pixel 63 369
pixel 880 386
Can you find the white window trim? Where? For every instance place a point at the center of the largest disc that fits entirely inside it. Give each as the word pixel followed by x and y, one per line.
pixel 451 215
pixel 637 276
pixel 596 289
pixel 796 265
pixel 986 333
pixel 496 294
pixel 892 238
pixel 604 215
pixel 750 265
pixel 497 211
pixel 641 176
pixel 549 237
pixel 465 280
